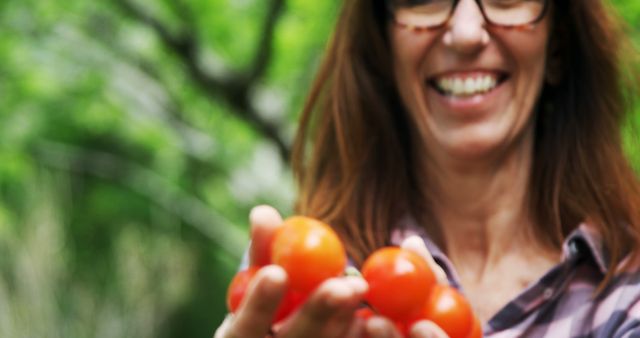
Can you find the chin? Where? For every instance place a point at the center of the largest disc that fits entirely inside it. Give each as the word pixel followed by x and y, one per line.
pixel 473 150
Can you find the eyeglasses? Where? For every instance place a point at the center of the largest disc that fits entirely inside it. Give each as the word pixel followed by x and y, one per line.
pixel 434 14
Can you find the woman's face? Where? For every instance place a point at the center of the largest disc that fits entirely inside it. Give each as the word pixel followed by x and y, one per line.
pixel 472 88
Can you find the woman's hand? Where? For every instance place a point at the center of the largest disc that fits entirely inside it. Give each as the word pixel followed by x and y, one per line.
pixel 328 312
pixel 381 327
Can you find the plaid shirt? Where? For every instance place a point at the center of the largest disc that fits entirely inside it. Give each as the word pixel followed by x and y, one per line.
pixel 562 303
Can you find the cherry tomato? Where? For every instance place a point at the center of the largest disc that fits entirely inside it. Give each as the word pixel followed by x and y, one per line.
pixel 476 329
pixel 238 287
pixel 291 302
pixel 400 282
pixel 309 251
pixel 403 328
pixel 450 310
pixel 364 313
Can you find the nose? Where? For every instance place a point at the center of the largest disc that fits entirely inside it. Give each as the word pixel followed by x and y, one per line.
pixel 466 30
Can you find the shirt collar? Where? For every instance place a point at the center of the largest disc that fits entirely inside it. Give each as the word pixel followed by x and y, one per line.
pixel 584 241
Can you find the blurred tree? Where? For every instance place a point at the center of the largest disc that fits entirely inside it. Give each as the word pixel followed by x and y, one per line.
pixel 135 136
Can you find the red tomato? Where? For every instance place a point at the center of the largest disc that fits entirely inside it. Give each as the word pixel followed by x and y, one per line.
pixel 309 251
pixel 476 329
pixel 399 282
pixel 291 302
pixel 365 313
pixel 403 328
pixel 238 287
pixel 450 310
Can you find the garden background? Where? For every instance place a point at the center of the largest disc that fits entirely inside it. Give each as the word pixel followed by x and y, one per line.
pixel 135 136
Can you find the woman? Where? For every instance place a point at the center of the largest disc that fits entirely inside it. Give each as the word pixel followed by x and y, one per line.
pixel 490 129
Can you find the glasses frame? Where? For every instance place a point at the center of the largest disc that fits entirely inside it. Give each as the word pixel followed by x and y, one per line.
pixel 390 9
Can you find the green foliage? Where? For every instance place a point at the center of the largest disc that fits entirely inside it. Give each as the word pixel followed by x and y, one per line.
pixel 126 180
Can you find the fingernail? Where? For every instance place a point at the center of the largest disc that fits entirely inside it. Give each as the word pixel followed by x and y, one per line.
pixel 422 329
pixel 377 326
pixel 337 292
pixel 265 214
pixel 358 284
pixel 274 274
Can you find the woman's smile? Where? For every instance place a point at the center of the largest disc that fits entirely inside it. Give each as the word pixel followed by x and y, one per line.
pixel 470 87
pixel 462 85
pixel 466 94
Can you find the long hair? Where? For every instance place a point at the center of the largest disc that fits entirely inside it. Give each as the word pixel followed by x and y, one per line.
pixel 355 152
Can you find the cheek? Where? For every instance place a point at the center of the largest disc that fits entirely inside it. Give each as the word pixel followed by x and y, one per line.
pixel 409 52
pixel 535 62
pixel 402 56
pixel 532 56
pixel 529 80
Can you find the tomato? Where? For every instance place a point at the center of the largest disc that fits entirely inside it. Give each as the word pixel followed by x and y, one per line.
pixel 450 310
pixel 364 313
pixel 309 251
pixel 403 328
pixel 238 287
pixel 291 302
pixel 399 282
pixel 476 329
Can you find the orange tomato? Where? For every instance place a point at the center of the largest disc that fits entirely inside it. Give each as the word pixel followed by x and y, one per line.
pixel 476 329
pixel 448 309
pixel 309 251
pixel 400 282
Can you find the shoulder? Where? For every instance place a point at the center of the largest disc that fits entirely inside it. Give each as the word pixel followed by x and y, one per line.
pixel 615 312
pixel 612 310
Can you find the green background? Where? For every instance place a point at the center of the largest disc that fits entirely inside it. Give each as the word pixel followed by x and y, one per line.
pixel 135 136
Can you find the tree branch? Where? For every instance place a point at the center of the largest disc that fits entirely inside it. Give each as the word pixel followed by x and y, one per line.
pixel 265 49
pixel 144 182
pixel 234 89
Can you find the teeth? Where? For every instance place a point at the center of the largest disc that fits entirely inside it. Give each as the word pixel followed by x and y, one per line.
pixel 465 87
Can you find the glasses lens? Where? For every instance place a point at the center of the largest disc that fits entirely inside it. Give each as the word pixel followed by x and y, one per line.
pixel 433 13
pixel 513 12
pixel 422 13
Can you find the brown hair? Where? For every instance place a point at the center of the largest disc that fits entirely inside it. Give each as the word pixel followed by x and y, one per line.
pixel 354 154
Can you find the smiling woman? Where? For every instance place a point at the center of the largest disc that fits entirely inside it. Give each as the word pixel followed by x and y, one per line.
pixel 437 72
pixel 491 130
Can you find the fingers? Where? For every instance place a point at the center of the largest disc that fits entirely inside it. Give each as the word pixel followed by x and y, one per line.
pixel 380 327
pixel 264 220
pixel 253 318
pixel 416 245
pixel 329 312
pixel 356 329
pixel 426 329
